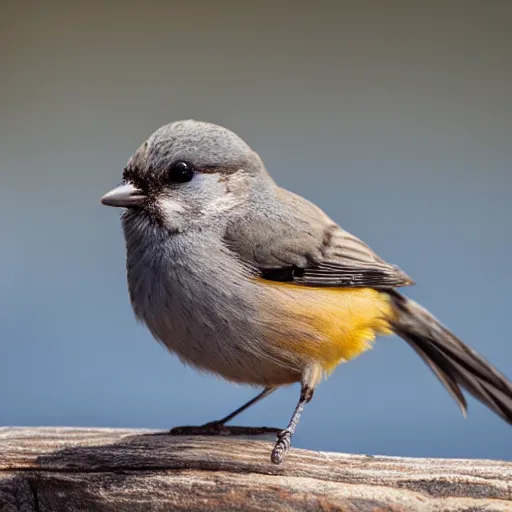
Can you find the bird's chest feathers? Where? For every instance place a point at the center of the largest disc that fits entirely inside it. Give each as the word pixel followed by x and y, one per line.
pixel 188 293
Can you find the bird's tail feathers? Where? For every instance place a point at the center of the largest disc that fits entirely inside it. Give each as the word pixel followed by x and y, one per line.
pixel 455 364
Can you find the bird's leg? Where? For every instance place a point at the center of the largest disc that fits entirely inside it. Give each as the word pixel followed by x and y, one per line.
pixel 311 377
pixel 245 406
pixel 284 437
pixel 218 427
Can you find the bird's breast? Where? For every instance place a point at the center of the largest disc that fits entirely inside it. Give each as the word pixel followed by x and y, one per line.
pixel 200 302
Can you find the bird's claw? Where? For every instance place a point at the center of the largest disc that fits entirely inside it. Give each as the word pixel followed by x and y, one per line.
pixel 283 443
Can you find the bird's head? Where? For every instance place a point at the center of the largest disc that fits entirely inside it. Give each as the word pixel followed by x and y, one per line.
pixel 187 174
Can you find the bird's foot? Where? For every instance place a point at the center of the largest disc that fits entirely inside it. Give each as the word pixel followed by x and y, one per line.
pixel 283 443
pixel 216 428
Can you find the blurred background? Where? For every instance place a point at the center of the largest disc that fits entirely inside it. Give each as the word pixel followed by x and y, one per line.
pixel 395 117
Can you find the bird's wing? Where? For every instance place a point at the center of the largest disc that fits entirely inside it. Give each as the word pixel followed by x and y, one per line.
pixel 348 262
pixel 296 242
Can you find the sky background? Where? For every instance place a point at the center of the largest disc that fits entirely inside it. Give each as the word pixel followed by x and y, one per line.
pixel 395 117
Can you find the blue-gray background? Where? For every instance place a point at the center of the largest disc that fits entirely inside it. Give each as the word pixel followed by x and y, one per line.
pixel 396 117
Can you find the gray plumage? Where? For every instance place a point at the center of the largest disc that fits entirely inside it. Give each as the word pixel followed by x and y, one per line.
pixel 191 249
pixel 195 248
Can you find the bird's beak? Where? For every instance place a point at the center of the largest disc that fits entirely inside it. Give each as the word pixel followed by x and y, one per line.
pixel 124 196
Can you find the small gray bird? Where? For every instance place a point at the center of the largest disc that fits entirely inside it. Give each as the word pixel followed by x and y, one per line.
pixel 246 280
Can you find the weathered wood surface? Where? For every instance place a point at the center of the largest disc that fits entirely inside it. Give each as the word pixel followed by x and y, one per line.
pixel 43 469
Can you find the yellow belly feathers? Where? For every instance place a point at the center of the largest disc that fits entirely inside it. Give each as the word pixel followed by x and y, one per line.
pixel 343 322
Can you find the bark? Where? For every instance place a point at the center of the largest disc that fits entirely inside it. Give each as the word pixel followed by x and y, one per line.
pixel 53 469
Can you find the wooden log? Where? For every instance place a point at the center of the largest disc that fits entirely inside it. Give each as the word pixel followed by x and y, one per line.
pixel 71 469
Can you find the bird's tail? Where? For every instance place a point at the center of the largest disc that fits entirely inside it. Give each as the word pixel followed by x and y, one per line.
pixel 455 364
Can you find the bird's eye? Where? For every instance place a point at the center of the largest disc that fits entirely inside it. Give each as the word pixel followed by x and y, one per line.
pixel 180 172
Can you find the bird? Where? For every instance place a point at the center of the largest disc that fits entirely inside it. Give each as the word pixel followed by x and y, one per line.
pixel 251 282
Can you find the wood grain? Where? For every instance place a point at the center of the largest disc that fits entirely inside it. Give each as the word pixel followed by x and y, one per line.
pixel 54 469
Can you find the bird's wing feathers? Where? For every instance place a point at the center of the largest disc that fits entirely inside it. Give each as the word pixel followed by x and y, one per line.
pixel 298 243
pixel 349 262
